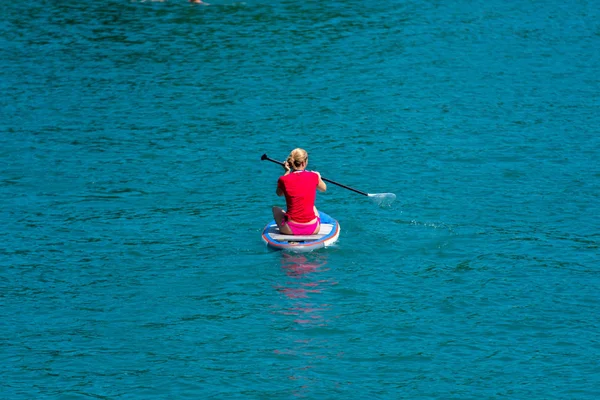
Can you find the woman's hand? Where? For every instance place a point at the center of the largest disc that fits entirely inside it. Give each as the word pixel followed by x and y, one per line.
pixel 287 168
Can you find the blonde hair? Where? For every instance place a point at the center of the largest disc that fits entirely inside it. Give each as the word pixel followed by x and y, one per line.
pixel 297 157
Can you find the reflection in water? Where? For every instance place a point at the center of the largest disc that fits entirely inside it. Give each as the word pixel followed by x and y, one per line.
pixel 304 271
pixel 304 296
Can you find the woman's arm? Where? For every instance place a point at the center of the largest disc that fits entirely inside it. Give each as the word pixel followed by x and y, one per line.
pixel 321 186
pixel 287 171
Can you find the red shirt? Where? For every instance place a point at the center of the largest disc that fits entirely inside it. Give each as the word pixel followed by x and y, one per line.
pixel 300 190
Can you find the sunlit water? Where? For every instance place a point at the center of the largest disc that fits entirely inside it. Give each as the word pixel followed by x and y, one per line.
pixel 133 197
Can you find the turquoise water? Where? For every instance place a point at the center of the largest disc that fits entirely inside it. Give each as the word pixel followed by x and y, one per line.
pixel 133 197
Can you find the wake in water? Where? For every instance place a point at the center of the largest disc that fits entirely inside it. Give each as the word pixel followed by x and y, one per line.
pixel 383 199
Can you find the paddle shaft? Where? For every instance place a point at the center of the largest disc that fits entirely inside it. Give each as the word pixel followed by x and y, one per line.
pixel 265 157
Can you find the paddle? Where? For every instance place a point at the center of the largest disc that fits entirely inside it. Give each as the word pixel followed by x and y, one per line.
pixel 381 198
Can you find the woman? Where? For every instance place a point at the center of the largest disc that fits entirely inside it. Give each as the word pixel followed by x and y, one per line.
pixel 299 187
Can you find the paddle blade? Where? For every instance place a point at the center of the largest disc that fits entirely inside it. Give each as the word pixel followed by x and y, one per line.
pixel 383 199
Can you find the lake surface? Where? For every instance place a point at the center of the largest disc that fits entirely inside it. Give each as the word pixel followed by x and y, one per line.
pixel 133 198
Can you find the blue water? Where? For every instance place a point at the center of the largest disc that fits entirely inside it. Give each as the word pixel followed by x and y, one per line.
pixel 133 197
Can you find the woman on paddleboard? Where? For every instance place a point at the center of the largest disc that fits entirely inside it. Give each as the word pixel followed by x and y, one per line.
pixel 299 187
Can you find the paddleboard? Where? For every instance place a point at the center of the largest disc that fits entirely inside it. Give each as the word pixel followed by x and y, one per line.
pixel 328 234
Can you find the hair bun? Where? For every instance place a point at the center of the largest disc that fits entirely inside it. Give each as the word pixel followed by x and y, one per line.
pixel 297 157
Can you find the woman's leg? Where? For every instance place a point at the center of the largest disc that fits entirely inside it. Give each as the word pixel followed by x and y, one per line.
pixel 278 214
pixel 318 227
